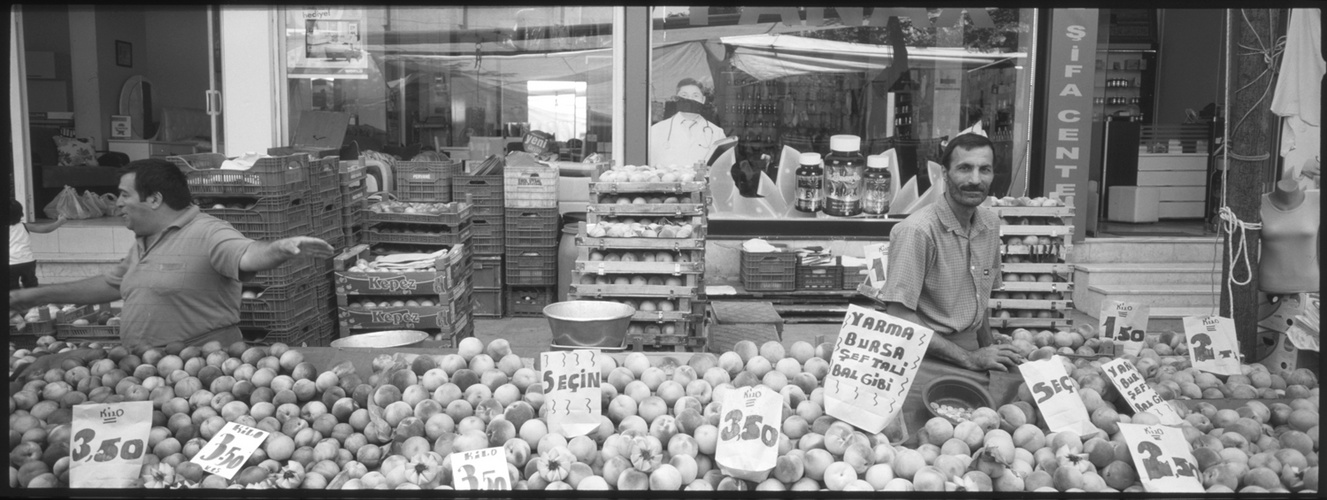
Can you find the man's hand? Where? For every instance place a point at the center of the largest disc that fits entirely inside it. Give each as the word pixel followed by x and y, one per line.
pixel 994 357
pixel 303 246
pixel 21 300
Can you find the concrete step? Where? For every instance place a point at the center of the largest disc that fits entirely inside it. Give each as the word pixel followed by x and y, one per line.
pixel 1118 273
pixel 1146 249
pixel 1155 296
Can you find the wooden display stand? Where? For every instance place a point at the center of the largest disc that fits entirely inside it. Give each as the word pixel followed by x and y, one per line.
pixel 1038 260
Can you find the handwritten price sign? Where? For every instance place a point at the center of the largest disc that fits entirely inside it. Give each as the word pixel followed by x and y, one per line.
pixel 1138 392
pixel 1212 344
pixel 1163 458
pixel 875 360
pixel 571 389
pixel 1125 323
pixel 229 449
pixel 1057 396
pixel 748 445
pixel 484 469
pixel 107 443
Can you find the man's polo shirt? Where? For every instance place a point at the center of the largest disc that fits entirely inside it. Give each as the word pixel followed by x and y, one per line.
pixel 182 282
pixel 943 272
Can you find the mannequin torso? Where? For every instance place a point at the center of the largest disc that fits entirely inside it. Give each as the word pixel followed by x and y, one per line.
pixel 1289 257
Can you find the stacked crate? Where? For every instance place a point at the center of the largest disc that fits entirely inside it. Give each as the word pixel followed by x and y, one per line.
pixel 354 200
pixel 530 238
pixel 1038 281
pixel 274 199
pixel 487 239
pixel 662 277
pixel 419 218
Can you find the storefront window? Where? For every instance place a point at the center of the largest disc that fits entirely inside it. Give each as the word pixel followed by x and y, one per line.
pixel 468 81
pixel 784 80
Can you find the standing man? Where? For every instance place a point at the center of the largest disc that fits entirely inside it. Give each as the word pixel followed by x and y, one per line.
pixel 684 138
pixel 943 262
pixel 181 280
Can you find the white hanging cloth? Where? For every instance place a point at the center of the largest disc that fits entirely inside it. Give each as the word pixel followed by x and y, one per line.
pixel 1298 96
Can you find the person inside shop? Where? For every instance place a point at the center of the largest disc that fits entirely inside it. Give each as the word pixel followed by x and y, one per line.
pixel 181 280
pixel 687 136
pixel 944 260
pixel 22 265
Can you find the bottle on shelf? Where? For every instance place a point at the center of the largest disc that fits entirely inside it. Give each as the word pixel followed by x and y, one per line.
pixel 843 175
pixel 876 186
pixel 810 184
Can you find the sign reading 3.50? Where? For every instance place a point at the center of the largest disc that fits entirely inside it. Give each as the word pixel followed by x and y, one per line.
pixel 107 443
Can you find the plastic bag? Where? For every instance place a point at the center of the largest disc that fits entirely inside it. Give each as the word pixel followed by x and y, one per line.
pixel 69 204
pixel 92 203
pixel 109 205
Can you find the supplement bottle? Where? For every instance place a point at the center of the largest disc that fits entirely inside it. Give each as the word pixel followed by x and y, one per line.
pixel 876 186
pixel 810 184
pixel 843 176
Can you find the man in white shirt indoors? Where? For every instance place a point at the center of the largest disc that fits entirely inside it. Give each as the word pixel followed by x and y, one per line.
pixel 684 138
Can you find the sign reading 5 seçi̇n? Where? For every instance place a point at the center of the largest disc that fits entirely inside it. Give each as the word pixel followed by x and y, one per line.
pixel 874 362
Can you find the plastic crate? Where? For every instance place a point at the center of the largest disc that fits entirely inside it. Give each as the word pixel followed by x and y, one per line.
pixel 304 334
pixel 65 329
pixel 532 266
pixel 457 213
pixel 324 174
pixel 769 271
pixel 488 303
pixel 291 271
pixel 529 301
pixel 531 227
pixel 280 307
pixel 454 236
pixel 270 176
pixel 429 181
pixel 488 271
pixel 819 277
pixel 487 238
pixel 352 173
pixel 853 276
pixel 485 191
pixel 530 187
pixel 268 214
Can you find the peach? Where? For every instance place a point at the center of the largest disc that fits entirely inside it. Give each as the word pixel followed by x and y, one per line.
pixel 707 438
pixel 633 480
pixel 907 462
pixel 929 479
pixel 838 475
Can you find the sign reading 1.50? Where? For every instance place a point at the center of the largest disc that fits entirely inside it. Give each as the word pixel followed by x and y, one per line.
pixel 1124 334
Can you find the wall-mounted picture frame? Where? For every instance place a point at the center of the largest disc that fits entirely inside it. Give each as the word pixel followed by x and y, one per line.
pixel 124 54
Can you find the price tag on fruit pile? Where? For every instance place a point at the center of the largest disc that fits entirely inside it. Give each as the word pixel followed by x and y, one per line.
pixel 107 443
pixel 748 446
pixel 227 451
pixel 1212 344
pixel 484 469
pixel 1138 392
pixel 571 391
pixel 875 359
pixel 1125 323
pixel 1163 458
pixel 1056 394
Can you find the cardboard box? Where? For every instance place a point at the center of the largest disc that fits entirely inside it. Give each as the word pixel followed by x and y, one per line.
pixel 319 133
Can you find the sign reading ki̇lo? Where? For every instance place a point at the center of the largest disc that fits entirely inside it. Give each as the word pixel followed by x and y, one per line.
pixel 1125 323
pixel 571 391
pixel 484 469
pixel 1212 344
pixel 227 451
pixel 874 363
pixel 1163 458
pixel 748 446
pixel 107 443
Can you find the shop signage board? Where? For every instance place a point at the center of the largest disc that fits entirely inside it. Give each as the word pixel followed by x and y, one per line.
pixel 1071 71
pixel 1163 458
pixel 1213 347
pixel 748 446
pixel 1140 395
pixel 328 42
pixel 1057 395
pixel 227 451
pixel 571 391
pixel 107 443
pixel 484 469
pixel 875 360
pixel 1125 323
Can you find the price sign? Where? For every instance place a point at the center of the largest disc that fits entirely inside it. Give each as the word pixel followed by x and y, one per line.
pixel 571 391
pixel 874 362
pixel 107 443
pixel 1125 323
pixel 1163 458
pixel 748 444
pixel 1057 396
pixel 484 469
pixel 227 451
pixel 1138 392
pixel 1212 344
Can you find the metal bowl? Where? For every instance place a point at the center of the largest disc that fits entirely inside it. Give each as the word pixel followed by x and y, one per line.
pixel 956 392
pixel 389 338
pixel 589 323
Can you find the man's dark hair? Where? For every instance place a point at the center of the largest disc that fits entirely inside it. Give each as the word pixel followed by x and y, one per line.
pixel 968 142
pixel 690 81
pixel 15 212
pixel 155 175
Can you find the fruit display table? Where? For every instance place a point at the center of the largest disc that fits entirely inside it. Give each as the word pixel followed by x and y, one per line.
pixel 328 418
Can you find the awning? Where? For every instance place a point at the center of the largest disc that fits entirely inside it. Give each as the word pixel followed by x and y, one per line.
pixel 767 57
